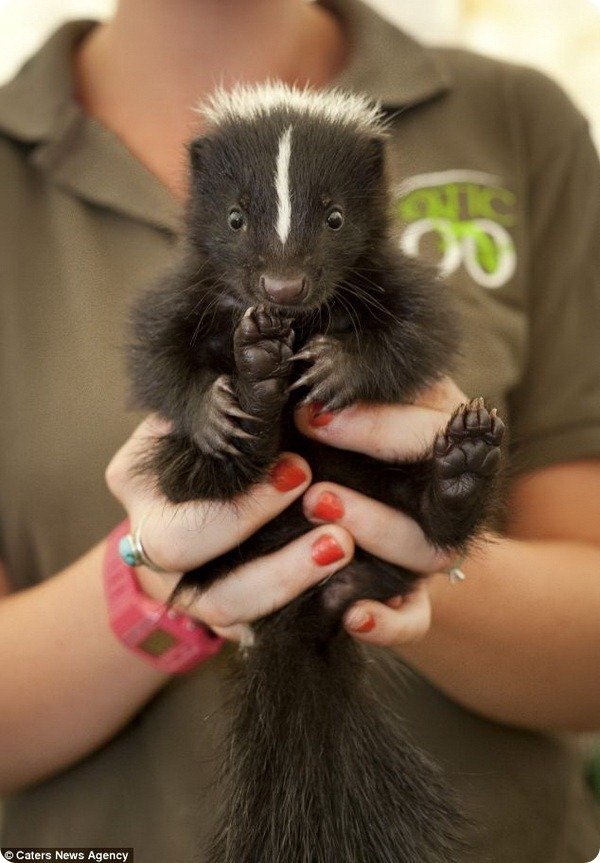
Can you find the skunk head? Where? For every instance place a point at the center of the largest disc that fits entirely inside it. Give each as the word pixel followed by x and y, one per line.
pixel 287 192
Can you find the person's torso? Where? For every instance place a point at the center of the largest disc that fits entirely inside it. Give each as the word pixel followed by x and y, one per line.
pixel 70 267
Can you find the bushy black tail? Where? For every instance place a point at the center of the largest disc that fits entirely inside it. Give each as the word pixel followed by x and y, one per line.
pixel 317 771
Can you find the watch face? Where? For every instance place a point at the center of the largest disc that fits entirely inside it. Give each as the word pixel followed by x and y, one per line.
pixel 158 642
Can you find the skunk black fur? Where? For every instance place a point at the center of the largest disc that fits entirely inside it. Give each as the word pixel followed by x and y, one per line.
pixel 271 291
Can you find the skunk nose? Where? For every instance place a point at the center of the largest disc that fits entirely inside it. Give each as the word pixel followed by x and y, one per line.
pixel 283 290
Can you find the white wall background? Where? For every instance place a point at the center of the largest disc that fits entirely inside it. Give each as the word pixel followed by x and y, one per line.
pixel 562 37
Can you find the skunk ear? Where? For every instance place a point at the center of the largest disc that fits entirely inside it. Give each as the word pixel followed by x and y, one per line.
pixel 196 150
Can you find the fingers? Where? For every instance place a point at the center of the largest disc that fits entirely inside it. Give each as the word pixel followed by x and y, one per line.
pixel 191 534
pixel 387 432
pixel 263 585
pixel 379 529
pixel 183 536
pixel 121 480
pixel 399 621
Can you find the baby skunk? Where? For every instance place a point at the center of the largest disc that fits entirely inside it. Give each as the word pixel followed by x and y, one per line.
pixel 290 289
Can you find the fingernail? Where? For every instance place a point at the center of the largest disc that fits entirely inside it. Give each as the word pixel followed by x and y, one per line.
pixel 328 507
pixel 316 419
pixel 326 550
pixel 286 475
pixel 360 621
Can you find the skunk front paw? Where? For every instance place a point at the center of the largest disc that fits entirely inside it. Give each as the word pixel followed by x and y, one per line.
pixel 329 379
pixel 221 421
pixel 263 348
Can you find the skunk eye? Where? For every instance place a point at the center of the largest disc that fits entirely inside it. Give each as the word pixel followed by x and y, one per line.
pixel 335 220
pixel 236 220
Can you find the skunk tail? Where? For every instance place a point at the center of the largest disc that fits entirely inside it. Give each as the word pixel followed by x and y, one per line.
pixel 316 770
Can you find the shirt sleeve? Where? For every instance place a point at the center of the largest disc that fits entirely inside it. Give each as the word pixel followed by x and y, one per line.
pixel 554 411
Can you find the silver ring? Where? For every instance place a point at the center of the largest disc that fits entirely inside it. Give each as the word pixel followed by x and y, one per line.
pixel 131 550
pixel 455 573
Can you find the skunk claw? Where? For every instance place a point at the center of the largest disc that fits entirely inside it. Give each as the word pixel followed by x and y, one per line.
pixel 242 434
pixel 303 381
pixel 225 387
pixel 218 446
pixel 305 355
pixel 234 411
pixel 317 394
pixel 230 449
pixel 336 403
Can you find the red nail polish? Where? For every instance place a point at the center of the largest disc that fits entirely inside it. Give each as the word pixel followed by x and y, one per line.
pixel 328 507
pixel 316 419
pixel 326 550
pixel 286 475
pixel 367 626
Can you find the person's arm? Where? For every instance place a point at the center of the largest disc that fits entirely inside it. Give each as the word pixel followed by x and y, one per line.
pixel 4 582
pixel 67 684
pixel 519 640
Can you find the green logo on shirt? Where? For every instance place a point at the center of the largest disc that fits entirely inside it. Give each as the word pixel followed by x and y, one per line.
pixel 460 218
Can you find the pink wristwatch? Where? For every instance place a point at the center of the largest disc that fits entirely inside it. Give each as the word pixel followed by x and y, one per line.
pixel 170 640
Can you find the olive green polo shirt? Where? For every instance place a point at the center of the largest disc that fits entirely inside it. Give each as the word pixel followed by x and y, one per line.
pixel 495 181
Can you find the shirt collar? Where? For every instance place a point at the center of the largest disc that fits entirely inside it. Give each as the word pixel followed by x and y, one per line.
pixel 38 108
pixel 385 62
pixel 77 152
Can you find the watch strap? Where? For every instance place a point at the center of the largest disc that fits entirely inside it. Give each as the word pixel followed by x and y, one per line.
pixel 170 640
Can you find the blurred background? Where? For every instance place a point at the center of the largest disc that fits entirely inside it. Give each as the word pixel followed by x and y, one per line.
pixel 561 37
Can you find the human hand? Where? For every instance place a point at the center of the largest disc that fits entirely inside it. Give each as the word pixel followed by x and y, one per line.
pixel 387 432
pixel 181 537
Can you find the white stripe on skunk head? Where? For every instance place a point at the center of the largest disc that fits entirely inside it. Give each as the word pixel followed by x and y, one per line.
pixel 255 102
pixel 250 102
pixel 282 185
